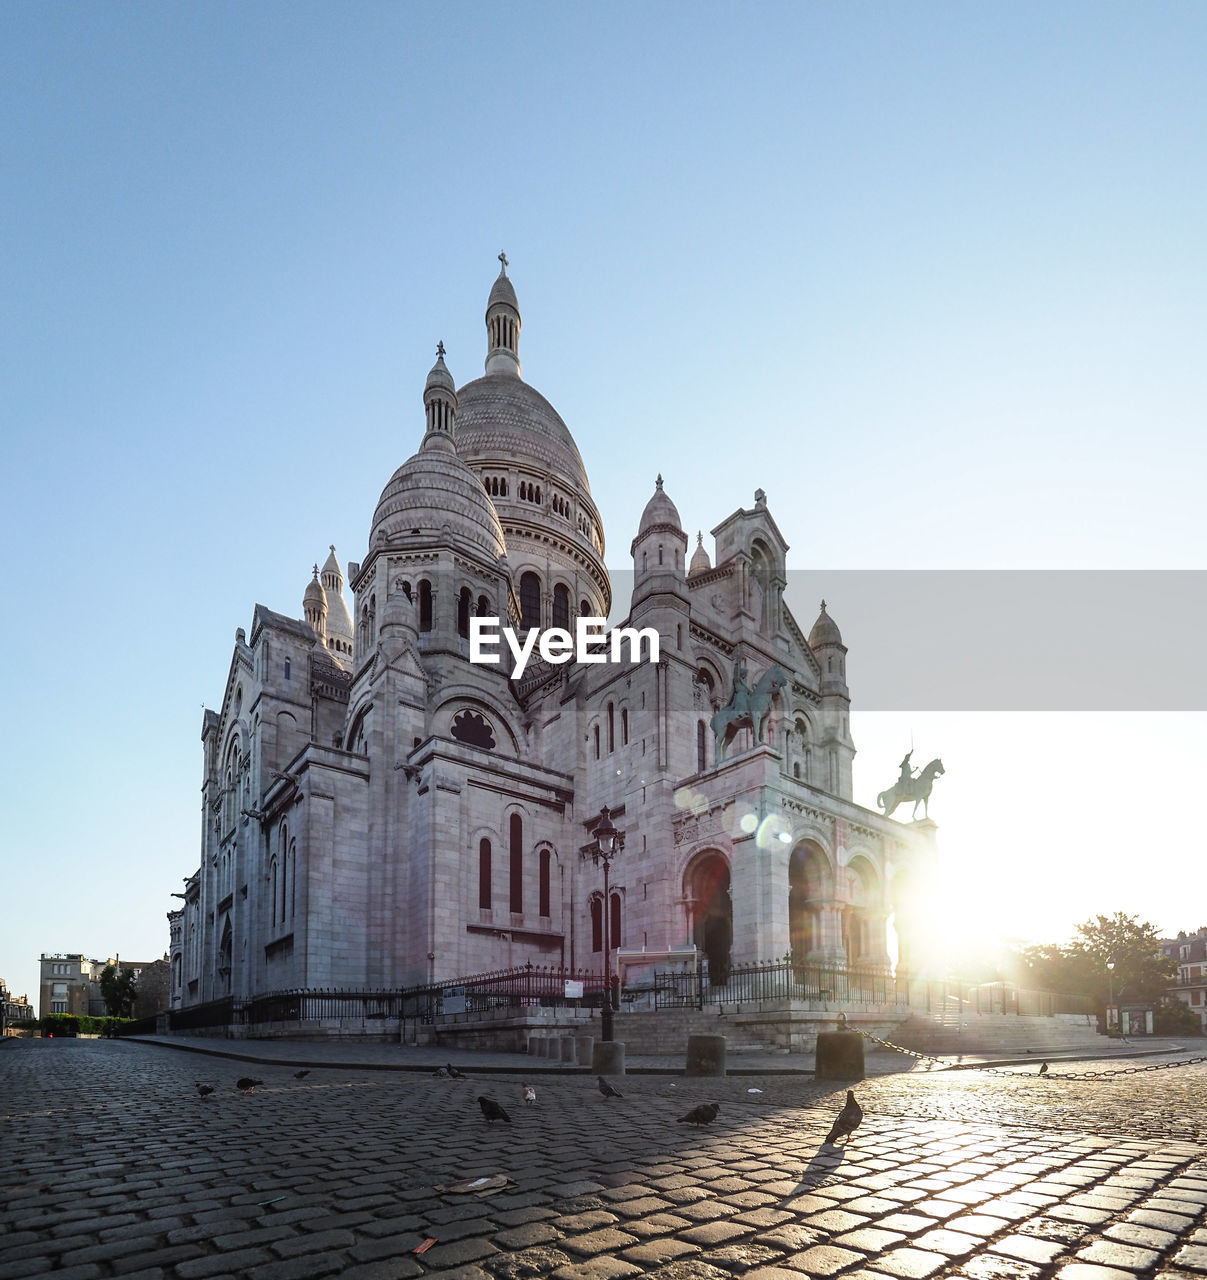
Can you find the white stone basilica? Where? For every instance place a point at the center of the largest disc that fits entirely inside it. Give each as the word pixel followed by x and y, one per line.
pixel 378 811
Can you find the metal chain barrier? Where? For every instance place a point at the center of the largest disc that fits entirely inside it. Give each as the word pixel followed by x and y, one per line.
pixel 1048 1075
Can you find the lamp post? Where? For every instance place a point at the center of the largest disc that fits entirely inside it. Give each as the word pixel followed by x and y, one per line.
pixel 608 842
pixel 1110 1000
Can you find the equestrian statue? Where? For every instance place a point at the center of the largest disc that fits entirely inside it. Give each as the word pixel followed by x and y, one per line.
pixel 909 787
pixel 747 706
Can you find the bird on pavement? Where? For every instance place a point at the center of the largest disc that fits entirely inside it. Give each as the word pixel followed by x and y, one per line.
pixel 440 1074
pixel 301 1075
pixel 454 1073
pixel 529 1095
pixel 1043 1068
pixel 204 1090
pixel 606 1089
pixel 491 1110
pixel 705 1113
pixel 848 1119
pixel 245 1084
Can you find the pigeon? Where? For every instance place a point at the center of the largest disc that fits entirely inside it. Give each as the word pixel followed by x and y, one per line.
pixel 245 1084
pixel 440 1074
pixel 705 1113
pixel 606 1089
pixel 204 1090
pixel 301 1075
pixel 529 1095
pixel 491 1110
pixel 848 1119
pixel 454 1073
pixel 1043 1068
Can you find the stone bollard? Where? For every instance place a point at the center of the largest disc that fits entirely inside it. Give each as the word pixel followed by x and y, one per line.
pixel 534 1046
pixel 839 1056
pixel 607 1058
pixel 567 1050
pixel 705 1056
pixel 585 1046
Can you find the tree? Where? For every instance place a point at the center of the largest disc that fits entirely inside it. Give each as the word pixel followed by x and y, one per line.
pixel 1173 1018
pixel 1140 972
pixel 118 991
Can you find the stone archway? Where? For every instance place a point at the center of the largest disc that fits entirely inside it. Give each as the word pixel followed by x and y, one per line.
pixel 810 905
pixel 706 887
pixel 863 920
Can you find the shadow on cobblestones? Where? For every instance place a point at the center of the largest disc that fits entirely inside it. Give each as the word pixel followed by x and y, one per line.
pixel 113 1165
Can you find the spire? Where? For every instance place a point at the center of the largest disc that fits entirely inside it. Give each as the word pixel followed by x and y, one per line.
pixel 700 562
pixel 440 403
pixel 314 606
pixel 503 325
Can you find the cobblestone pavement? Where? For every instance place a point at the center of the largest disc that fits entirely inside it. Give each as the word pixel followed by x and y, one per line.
pixel 111 1164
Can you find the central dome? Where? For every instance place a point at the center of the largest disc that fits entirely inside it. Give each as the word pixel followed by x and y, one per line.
pixel 500 418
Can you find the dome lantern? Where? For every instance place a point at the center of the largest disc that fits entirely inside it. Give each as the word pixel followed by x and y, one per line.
pixel 440 397
pixel 503 325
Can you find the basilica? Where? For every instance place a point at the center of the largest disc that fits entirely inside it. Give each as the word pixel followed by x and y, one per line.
pixel 381 811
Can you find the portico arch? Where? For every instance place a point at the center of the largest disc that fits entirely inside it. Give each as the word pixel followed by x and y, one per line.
pixel 710 909
pixel 811 906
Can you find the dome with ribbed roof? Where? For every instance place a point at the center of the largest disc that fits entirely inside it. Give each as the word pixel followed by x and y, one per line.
pixel 660 510
pixel 434 491
pixel 314 593
pixel 501 420
pixel 700 562
pixel 825 630
pixel 503 291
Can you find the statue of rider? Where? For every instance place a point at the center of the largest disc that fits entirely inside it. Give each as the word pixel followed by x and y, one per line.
pixel 907 773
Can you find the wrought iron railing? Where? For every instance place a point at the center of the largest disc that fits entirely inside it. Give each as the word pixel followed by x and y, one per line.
pixel 552 986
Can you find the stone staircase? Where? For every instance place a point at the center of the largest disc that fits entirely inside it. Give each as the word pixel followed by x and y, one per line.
pixel 950 1031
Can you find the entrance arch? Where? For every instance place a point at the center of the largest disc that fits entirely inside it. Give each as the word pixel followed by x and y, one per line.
pixel 810 893
pixel 706 888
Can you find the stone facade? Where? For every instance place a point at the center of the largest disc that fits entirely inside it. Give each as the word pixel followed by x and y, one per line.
pixel 379 811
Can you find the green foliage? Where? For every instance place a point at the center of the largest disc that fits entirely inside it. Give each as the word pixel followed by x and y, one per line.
pixel 1172 1017
pixel 118 991
pixel 60 1024
pixel 1141 972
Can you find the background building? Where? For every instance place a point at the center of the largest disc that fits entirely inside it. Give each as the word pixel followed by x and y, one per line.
pixel 71 983
pixel 1189 950
pixel 378 811
pixel 14 1010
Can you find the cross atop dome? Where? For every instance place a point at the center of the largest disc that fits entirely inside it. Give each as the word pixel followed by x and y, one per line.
pixel 439 353
pixel 503 325
pixel 503 260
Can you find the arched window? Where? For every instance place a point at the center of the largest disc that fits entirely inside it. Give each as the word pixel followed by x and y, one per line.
pixel 611 728
pixel 483 607
pixel 679 636
pixel 272 875
pixel 530 601
pixel 584 609
pixel 595 734
pixel 543 883
pixel 425 605
pixel 484 875
pixel 624 726
pixel 597 923
pixel 284 885
pixel 463 603
pixel 561 607
pixel 516 841
pixel 701 746
pixel 614 921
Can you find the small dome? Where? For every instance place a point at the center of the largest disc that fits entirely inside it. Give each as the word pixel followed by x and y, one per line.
pixel 700 561
pixel 502 292
pixel 439 378
pixel 660 510
pixel 825 630
pixel 314 591
pixel 432 490
pixel 339 620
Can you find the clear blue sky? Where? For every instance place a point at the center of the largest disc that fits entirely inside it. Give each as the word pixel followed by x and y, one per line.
pixel 931 275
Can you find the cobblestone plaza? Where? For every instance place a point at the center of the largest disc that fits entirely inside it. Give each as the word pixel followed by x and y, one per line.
pixel 114 1165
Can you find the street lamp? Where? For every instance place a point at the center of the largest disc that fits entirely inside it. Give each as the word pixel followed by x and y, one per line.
pixel 1110 1000
pixel 608 843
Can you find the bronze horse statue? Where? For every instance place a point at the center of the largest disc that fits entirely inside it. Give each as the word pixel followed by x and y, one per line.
pixel 915 789
pixel 747 707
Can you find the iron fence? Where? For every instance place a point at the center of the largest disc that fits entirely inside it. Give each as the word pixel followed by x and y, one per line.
pixel 553 986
